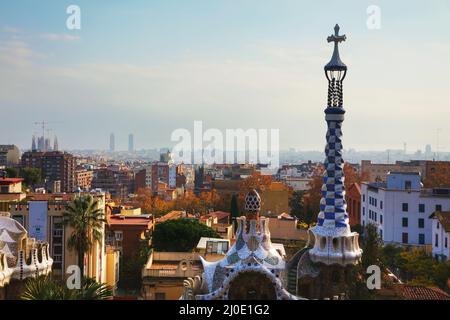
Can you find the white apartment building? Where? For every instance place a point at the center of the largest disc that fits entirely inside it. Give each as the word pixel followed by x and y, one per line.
pixel 440 231
pixel 401 208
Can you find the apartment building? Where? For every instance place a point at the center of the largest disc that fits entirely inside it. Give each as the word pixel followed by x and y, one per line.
pixel 401 207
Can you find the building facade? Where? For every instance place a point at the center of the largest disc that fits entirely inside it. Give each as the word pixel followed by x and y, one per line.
pixel 54 166
pixel 353 199
pixel 400 208
pixel 9 155
pixel 377 172
pixel 42 217
pixel 440 235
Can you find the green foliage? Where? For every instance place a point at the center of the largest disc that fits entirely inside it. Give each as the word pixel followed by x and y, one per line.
pixel 180 235
pixel 86 219
pixel 44 288
pixel 12 173
pixel 130 275
pixel 299 210
pixel 371 244
pixel 31 176
pixel 417 267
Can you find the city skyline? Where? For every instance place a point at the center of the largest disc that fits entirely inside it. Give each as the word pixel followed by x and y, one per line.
pixel 168 75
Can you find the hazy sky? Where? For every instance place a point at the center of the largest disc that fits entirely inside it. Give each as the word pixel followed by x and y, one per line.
pixel 150 67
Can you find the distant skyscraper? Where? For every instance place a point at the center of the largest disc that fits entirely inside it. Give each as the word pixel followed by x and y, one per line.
pixel 130 143
pixel 33 144
pixel 55 144
pixel 428 149
pixel 112 143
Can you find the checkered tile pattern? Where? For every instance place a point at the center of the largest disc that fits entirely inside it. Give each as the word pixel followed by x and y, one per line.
pixel 332 205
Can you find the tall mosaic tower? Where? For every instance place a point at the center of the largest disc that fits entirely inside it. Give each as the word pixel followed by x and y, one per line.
pixel 334 242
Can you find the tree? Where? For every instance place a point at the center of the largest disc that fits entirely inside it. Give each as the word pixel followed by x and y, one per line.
pixel 12 172
pixel 180 235
pixel 31 176
pixel 371 244
pixel 234 208
pixel 352 176
pixel 299 210
pixel 130 275
pixel 311 199
pixel 86 219
pixel 256 181
pixel 44 288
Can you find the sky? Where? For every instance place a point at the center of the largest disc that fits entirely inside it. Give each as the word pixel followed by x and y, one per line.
pixel 151 67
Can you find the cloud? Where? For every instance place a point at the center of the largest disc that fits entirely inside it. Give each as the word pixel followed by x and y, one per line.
pixel 8 29
pixel 15 52
pixel 59 37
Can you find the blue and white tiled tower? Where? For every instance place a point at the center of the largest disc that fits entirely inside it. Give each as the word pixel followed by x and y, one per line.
pixel 334 243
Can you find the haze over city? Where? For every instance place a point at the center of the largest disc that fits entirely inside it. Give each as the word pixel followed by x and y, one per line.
pixel 150 68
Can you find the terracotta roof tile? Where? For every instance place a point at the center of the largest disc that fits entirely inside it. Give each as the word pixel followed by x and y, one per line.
pixel 410 292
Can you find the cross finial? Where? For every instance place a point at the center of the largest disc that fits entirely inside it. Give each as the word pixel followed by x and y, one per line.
pixel 336 38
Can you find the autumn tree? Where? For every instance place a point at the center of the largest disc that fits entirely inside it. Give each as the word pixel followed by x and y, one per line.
pixel 352 175
pixel 256 181
pixel 311 199
pixel 298 208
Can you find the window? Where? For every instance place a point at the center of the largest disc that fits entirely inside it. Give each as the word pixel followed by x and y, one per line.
pixel 20 219
pixel 446 242
pixel 375 216
pixel 438 207
pixel 436 240
pixel 405 237
pixel 408 185
pixel 421 238
pixel 421 207
pixel 364 198
pixel 437 227
pixel 381 233
pixel 118 235
pixel 364 211
pixel 421 223
pixel 381 219
pixel 381 204
pixel 405 222
pixel 404 207
pixel 160 296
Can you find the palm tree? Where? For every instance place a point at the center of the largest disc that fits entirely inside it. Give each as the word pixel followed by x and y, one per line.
pixel 44 288
pixel 86 219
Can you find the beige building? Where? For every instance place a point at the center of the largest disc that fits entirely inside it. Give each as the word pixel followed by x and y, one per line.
pixel 42 217
pixel 275 199
pixel 11 190
pixel 83 179
pixel 9 155
pixel 378 171
pixel 165 272
pixel 283 228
